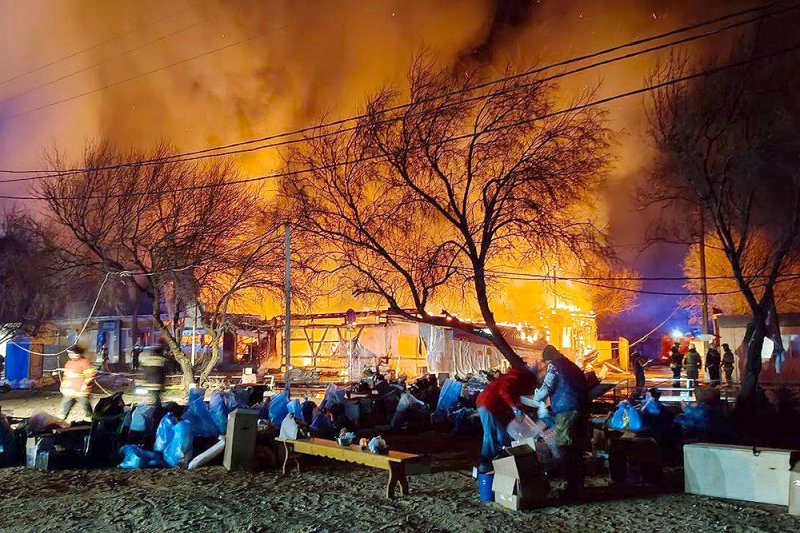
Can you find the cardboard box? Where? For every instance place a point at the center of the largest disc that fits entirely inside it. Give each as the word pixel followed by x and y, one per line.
pixel 519 494
pixel 794 488
pixel 518 462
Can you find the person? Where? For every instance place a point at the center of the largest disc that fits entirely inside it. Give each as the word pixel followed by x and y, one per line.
pixel 135 353
pixel 692 363
pixel 154 372
pixel 676 364
pixel 639 362
pixel 76 383
pixel 727 364
pixel 565 385
pixel 712 365
pixel 104 358
pixel 499 404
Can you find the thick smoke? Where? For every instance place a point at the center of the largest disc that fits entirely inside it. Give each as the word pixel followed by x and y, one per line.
pixel 298 61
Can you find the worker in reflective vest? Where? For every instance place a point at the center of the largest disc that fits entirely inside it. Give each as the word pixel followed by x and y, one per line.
pixel 76 383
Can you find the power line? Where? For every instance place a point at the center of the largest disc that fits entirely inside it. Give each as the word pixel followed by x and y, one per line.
pixel 143 74
pixel 96 45
pixel 186 156
pixel 587 105
pixel 110 59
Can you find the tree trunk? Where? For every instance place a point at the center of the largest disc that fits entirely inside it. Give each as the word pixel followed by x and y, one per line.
pixel 215 353
pixel 497 339
pixel 752 369
pixel 183 360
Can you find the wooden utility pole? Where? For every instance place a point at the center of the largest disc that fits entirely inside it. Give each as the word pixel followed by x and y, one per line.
pixel 288 295
pixel 703 281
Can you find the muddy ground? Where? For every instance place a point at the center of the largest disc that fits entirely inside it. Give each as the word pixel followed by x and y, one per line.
pixel 330 496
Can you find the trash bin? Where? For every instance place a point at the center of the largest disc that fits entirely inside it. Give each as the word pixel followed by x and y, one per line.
pixel 794 488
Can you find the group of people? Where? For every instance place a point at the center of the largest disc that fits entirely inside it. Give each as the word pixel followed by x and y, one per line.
pixel 78 378
pixel 692 362
pixel 564 386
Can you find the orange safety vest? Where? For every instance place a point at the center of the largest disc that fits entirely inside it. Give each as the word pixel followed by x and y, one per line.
pixel 77 373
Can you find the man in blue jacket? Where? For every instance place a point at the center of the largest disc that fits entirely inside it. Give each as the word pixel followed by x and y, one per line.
pixel 565 384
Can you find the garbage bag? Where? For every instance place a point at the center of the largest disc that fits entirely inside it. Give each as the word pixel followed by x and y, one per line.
pixel 307 408
pixel 143 417
pixel 179 450
pixel 164 432
pixel 321 427
pixel 219 406
pixel 449 395
pixel 619 420
pixel 277 407
pixel 135 457
pixel 296 409
pixel 634 418
pixel 333 396
pixel 41 422
pixel 289 428
pixel 263 409
pixel 110 405
pixel 198 416
pixel 523 427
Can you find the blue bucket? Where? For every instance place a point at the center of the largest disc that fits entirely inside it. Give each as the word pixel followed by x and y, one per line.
pixel 485 487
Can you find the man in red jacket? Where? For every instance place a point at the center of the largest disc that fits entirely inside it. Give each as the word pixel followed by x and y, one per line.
pixel 76 383
pixel 498 404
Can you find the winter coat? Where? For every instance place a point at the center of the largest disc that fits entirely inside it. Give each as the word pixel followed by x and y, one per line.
pixel 77 379
pixel 501 396
pixel 675 359
pixel 728 359
pixel 712 359
pixel 565 385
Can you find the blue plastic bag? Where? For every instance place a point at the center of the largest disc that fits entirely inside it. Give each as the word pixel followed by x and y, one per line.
pixel 197 414
pixel 278 407
pixel 449 395
pixel 333 395
pixel 164 432
pixel 263 409
pixel 179 450
pixel 321 427
pixel 219 406
pixel 296 408
pixel 634 418
pixel 618 418
pixel 135 457
pixel 143 417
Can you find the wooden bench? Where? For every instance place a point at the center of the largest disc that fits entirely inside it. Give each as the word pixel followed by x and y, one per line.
pixel 398 464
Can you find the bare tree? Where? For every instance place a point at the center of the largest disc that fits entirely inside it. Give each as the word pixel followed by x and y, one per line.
pixel 30 286
pixel 249 269
pixel 418 199
pixel 722 287
pixel 728 145
pixel 170 224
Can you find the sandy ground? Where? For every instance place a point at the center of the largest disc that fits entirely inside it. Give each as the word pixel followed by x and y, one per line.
pixel 330 496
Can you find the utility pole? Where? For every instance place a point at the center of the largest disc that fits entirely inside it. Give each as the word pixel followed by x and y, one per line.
pixel 288 295
pixel 703 281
